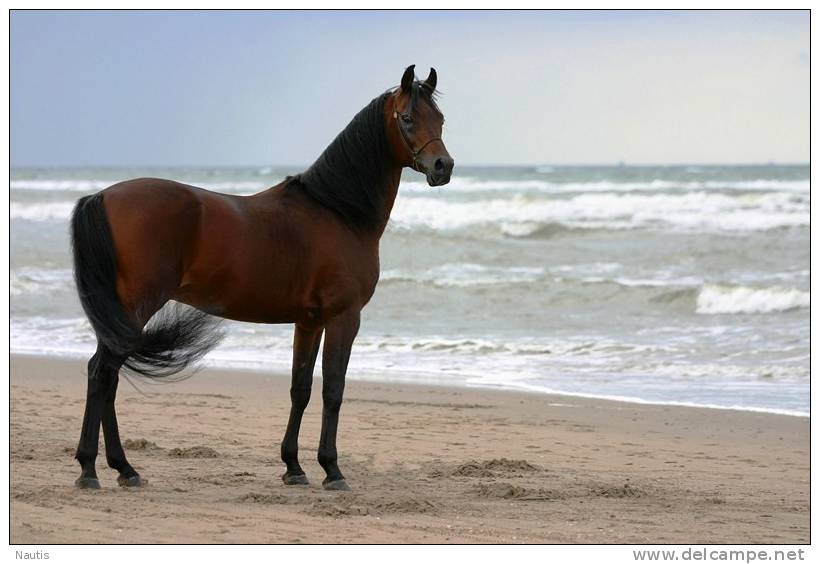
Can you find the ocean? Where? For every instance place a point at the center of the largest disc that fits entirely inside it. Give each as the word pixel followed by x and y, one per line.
pixel 662 284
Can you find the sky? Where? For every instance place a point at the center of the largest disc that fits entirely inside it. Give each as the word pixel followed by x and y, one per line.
pixel 177 88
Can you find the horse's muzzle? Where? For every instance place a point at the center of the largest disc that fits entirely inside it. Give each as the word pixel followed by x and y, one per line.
pixel 441 170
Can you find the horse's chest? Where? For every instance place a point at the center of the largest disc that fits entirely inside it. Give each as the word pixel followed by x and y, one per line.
pixel 370 278
pixel 340 287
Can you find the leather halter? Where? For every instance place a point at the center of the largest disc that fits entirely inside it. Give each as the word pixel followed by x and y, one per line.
pixel 414 152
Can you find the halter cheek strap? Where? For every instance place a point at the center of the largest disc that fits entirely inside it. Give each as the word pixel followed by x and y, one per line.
pixel 414 152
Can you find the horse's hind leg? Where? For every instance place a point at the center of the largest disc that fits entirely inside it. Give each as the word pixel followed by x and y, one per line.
pixel 102 374
pixel 114 453
pixel 305 348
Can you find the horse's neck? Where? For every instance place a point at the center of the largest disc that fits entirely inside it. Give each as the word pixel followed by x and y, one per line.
pixel 391 192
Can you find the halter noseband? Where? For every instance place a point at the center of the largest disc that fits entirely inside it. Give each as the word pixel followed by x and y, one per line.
pixel 414 152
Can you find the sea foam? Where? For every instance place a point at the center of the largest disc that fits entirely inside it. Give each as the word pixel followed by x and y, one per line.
pixel 523 216
pixel 467 184
pixel 717 299
pixel 464 274
pixel 50 211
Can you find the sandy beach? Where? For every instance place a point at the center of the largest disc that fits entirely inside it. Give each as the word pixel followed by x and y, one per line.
pixel 426 464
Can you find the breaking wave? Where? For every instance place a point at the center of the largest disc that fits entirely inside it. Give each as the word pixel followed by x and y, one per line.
pixel 464 274
pixel 475 185
pixel 721 299
pixel 522 216
pixel 39 280
pixel 51 211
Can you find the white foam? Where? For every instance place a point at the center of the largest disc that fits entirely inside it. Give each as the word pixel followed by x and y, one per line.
pixel 464 274
pixel 258 344
pixel 691 212
pixel 38 280
pixel 449 345
pixel 457 184
pixel 785 185
pixel 472 184
pixel 522 213
pixel 684 281
pixel 521 229
pixel 51 211
pixel 586 367
pixel 44 335
pixel 721 299
pixel 79 185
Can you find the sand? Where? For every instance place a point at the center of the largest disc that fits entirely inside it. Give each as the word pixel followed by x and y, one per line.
pixel 427 465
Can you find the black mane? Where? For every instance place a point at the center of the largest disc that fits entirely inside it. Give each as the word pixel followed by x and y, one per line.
pixel 351 176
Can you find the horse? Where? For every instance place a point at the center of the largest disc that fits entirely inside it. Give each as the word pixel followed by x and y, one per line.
pixel 303 252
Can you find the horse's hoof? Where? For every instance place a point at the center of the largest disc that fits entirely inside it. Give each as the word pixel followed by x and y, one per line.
pixel 86 483
pixel 336 485
pixel 295 479
pixel 131 481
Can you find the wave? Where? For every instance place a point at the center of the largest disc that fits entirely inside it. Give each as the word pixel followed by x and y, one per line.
pixel 723 299
pixel 51 211
pixel 663 287
pixel 784 185
pixel 659 365
pixel 451 346
pixel 685 281
pixel 464 274
pixel 30 280
pixel 521 216
pixel 79 185
pixel 51 335
pixel 473 184
pixel 258 345
pixel 457 184
pixel 611 273
pixel 541 230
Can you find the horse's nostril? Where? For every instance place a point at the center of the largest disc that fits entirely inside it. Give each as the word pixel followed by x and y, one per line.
pixel 439 165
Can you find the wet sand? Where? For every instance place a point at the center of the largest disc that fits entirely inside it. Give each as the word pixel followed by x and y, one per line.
pixel 427 465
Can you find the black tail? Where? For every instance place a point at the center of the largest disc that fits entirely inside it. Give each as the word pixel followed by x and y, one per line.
pixel 173 339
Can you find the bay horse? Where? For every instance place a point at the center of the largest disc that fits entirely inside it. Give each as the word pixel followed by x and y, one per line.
pixel 305 251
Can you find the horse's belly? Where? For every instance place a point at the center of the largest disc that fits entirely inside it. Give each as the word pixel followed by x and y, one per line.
pixel 247 306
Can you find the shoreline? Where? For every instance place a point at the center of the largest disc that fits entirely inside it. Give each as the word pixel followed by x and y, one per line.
pixel 257 368
pixel 427 464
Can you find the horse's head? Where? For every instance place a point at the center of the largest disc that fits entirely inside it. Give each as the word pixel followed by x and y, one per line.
pixel 414 125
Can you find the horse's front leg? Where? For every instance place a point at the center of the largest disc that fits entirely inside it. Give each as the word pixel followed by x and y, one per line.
pixel 339 336
pixel 305 348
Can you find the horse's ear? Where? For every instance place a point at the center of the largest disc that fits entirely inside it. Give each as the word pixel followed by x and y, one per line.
pixel 431 80
pixel 408 77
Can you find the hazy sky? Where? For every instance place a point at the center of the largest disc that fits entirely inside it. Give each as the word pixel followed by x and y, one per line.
pixel 256 88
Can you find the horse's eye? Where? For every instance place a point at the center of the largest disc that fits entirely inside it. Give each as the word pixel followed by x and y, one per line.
pixel 407 119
